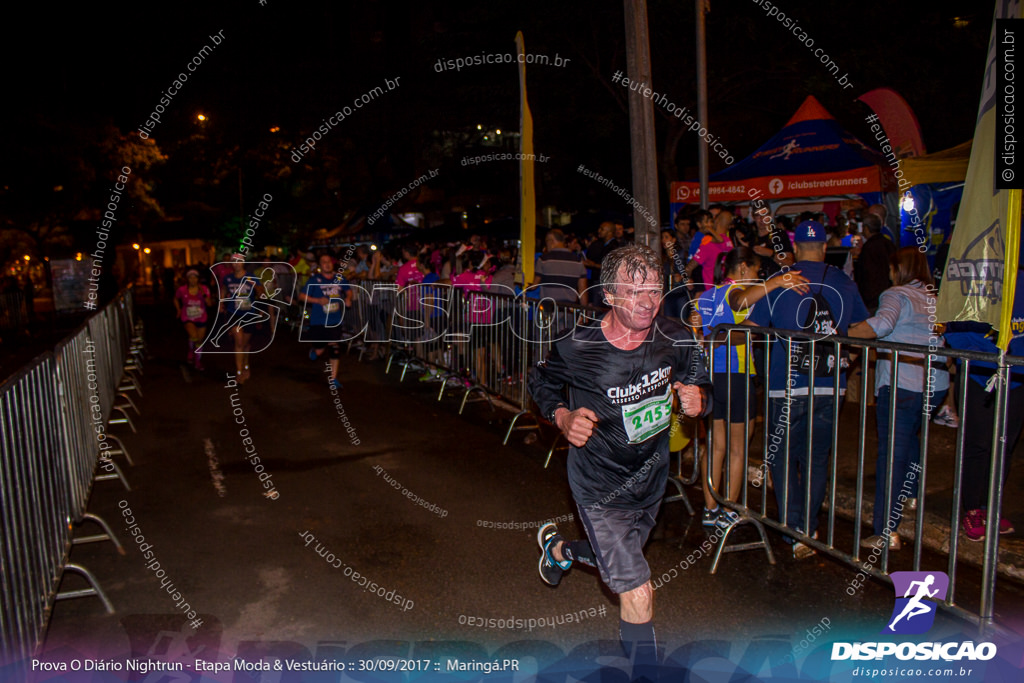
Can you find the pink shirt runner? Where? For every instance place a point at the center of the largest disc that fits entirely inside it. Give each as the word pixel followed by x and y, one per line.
pixel 193 306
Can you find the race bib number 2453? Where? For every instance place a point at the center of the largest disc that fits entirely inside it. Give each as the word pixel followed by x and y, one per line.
pixel 645 419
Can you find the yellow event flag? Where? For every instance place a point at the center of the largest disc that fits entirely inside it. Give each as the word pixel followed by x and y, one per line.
pixel 527 200
pixel 981 272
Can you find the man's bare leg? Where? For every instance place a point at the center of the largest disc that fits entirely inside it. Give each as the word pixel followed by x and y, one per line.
pixel 637 606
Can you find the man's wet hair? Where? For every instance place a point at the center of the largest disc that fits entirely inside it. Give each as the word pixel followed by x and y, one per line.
pixel 638 260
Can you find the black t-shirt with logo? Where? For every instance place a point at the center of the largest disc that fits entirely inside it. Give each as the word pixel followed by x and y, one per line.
pixel 624 464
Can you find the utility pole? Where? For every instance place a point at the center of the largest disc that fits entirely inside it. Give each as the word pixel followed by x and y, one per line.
pixel 641 128
pixel 703 6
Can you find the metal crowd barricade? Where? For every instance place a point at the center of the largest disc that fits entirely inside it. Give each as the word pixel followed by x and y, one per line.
pixel 49 453
pixel 777 439
pixel 34 508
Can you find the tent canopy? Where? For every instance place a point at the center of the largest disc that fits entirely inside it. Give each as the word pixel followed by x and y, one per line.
pixel 946 166
pixel 811 156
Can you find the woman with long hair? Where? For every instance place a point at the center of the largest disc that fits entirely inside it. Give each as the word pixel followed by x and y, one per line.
pixel 905 314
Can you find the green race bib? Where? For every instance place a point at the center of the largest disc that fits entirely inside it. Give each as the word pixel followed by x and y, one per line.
pixel 645 419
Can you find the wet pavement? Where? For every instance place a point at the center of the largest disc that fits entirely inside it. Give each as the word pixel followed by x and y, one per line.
pixel 400 544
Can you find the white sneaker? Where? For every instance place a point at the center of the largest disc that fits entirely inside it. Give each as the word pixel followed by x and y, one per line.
pixel 946 417
pixel 802 552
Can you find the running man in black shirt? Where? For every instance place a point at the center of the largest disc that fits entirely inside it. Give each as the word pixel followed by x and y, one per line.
pixel 620 372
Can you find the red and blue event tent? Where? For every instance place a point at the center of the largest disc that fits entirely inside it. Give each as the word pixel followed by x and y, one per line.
pixel 812 156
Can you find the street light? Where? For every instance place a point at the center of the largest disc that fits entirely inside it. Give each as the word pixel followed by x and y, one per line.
pixel 136 246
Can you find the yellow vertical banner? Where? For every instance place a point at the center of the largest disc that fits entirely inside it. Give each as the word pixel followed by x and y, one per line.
pixel 1010 280
pixel 527 199
pixel 981 272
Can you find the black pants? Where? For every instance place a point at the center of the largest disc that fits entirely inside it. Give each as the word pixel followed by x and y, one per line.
pixel 978 418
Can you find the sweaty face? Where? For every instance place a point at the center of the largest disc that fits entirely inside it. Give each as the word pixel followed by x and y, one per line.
pixel 635 302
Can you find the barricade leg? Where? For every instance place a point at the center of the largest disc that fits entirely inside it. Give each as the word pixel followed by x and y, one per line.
pixel 130 403
pixel 130 383
pixel 483 392
pixel 118 474
pixel 122 420
pixel 551 451
pixel 512 427
pixel 86 592
pixel 678 480
pixel 724 547
pixel 120 450
pixel 107 534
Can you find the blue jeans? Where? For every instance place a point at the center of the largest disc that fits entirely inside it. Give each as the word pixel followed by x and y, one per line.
pixel 796 417
pixel 906 451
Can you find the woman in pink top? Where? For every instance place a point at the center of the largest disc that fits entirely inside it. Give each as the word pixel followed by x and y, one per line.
pixel 190 302
pixel 707 255
pixel 478 313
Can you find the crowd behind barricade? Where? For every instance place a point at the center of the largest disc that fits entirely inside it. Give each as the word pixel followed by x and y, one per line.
pixel 719 268
pixel 759 272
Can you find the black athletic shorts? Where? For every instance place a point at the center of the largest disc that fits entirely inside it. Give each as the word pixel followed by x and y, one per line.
pixel 618 537
pixel 322 337
pixel 738 399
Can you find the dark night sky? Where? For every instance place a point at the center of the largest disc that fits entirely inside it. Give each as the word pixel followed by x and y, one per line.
pixel 293 63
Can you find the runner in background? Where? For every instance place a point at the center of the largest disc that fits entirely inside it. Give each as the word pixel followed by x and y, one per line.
pixel 190 303
pixel 326 295
pixel 243 288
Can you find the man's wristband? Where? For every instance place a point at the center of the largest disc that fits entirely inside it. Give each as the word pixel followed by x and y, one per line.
pixel 551 415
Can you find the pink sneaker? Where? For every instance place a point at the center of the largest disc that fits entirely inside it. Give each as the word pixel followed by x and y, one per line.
pixel 974 525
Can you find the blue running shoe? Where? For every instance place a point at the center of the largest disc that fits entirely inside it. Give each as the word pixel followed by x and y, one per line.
pixel 551 570
pixel 726 518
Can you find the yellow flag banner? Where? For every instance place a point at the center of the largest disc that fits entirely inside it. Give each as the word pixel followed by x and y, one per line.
pixel 980 276
pixel 527 199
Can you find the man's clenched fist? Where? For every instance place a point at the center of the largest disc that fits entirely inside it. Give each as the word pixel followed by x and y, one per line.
pixel 691 399
pixel 577 425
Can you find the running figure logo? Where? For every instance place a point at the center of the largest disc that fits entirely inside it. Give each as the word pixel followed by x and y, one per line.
pixel 912 614
pixel 786 151
pixel 241 307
